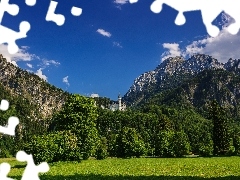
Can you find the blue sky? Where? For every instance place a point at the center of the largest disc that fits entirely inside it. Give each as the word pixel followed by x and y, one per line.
pixel 110 44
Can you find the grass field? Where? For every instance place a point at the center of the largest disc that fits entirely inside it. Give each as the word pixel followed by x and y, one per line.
pixel 222 168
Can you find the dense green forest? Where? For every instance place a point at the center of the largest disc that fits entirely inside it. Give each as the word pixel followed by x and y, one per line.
pixel 82 130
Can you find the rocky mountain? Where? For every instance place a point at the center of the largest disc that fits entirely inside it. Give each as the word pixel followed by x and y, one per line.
pixel 196 93
pixel 28 86
pixel 172 73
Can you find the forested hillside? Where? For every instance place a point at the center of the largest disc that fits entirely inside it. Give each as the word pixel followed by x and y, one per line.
pixel 31 99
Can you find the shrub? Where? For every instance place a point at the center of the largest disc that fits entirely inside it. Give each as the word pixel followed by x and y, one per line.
pixel 172 144
pixel 129 143
pixel 231 149
pixel 236 144
pixel 163 146
pixel 57 146
pixel 112 145
pixel 102 149
pixel 206 149
pixel 4 153
pixel 181 144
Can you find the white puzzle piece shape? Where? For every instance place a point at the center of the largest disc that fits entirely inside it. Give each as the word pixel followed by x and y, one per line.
pixel 10 128
pixel 59 19
pixel 4 170
pixel 31 171
pixel 4 105
pixel 209 10
pixel 30 2
pixel 7 35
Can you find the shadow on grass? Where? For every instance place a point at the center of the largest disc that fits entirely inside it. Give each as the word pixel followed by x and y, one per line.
pixel 18 166
pixel 101 177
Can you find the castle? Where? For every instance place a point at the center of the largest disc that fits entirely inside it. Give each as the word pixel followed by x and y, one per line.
pixel 115 105
pixel 121 106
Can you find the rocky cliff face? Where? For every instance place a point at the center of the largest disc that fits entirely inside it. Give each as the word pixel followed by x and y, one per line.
pixel 31 87
pixel 172 72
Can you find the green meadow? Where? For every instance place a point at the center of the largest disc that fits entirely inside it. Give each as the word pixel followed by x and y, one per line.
pixel 222 168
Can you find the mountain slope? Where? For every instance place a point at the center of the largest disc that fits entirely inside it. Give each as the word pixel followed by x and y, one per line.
pixel 40 94
pixel 173 72
pixel 196 93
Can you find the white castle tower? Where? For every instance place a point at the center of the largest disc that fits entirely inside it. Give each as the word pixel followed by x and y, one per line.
pixel 119 102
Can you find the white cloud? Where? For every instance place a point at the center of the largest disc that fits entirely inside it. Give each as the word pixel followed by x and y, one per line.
pixel 104 33
pixel 50 62
pixel 94 95
pixel 21 55
pixel 117 44
pixel 222 47
pixel 24 55
pixel 65 80
pixel 29 65
pixel 121 2
pixel 173 50
pixel 40 74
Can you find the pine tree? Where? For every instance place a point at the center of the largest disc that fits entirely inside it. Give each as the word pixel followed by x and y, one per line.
pixel 221 138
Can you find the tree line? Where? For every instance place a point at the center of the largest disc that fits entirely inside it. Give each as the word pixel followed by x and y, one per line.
pixel 82 130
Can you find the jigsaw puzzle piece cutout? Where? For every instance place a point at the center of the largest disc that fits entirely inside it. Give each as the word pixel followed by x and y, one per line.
pixel 209 9
pixel 10 128
pixel 9 36
pixel 4 105
pixel 156 6
pixel 11 9
pixel 180 19
pixel 4 170
pixel 208 15
pixel 234 12
pixel 133 1
pixel 31 171
pixel 233 28
pixel 76 11
pixel 30 2
pixel 59 19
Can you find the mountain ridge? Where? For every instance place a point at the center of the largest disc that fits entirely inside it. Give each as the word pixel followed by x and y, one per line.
pixel 172 72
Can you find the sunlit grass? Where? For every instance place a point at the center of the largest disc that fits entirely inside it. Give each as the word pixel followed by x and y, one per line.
pixel 154 167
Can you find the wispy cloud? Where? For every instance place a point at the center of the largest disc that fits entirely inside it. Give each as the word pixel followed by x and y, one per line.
pixel 65 80
pixel 40 74
pixel 21 55
pixel 117 44
pixel 29 65
pixel 94 95
pixel 24 55
pixel 121 2
pixel 104 33
pixel 50 62
pixel 222 47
